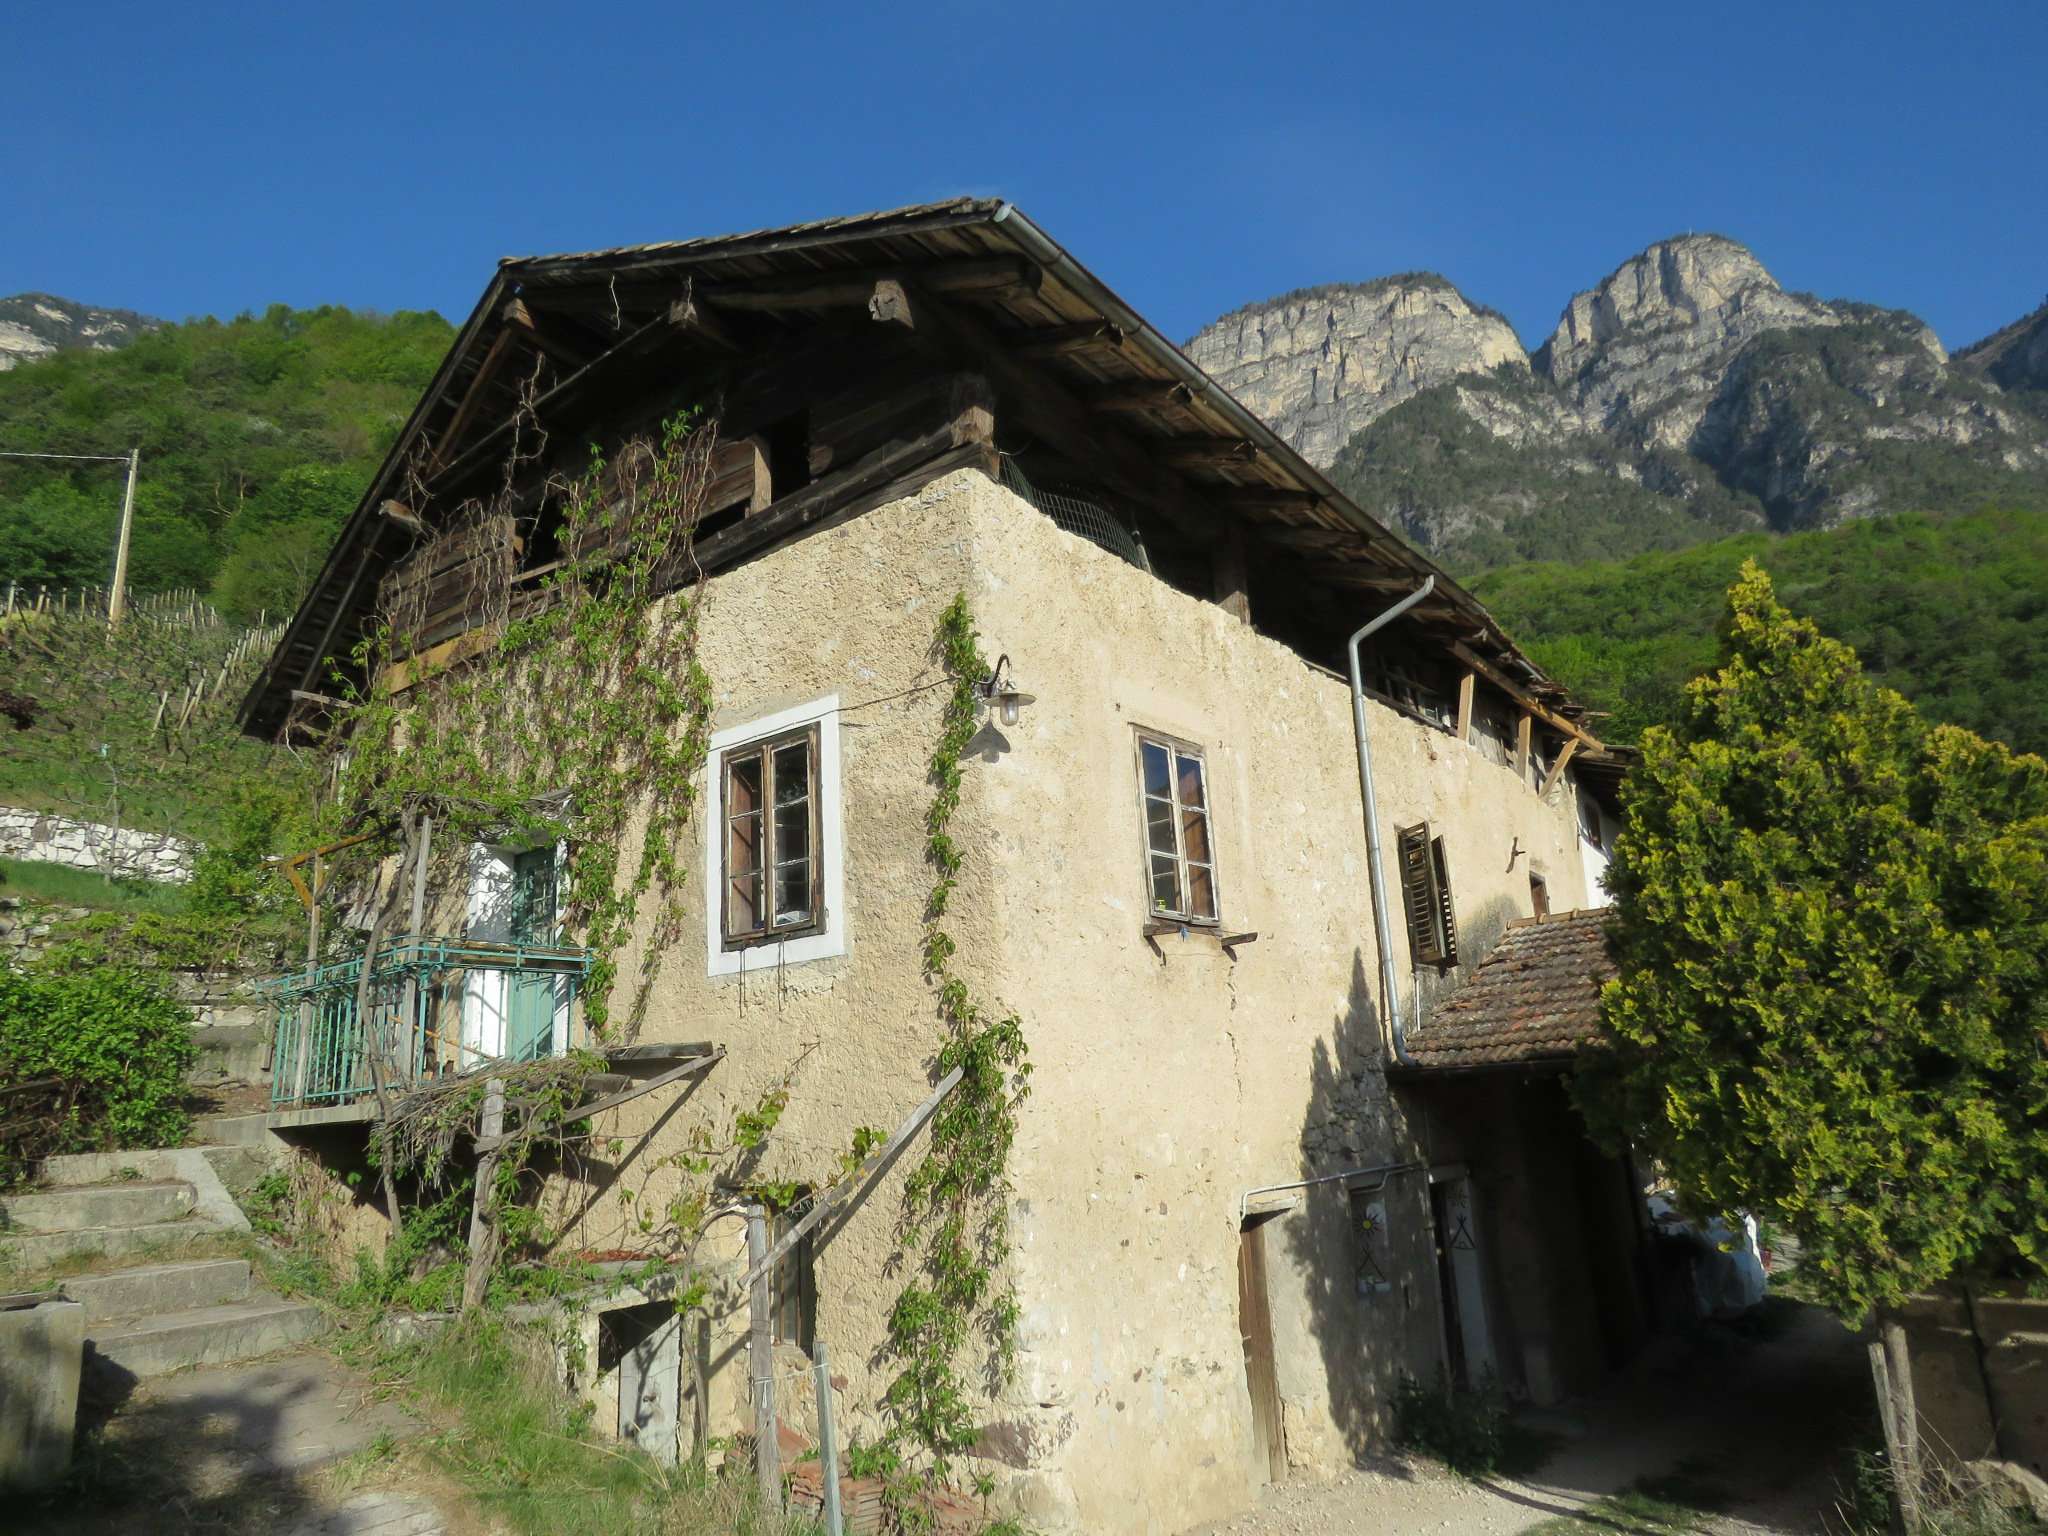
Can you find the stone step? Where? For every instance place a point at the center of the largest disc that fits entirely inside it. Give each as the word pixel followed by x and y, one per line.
pixel 48 1250
pixel 160 1288
pixel 85 1208
pixel 238 1330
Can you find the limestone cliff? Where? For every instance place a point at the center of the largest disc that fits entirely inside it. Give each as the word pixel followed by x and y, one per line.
pixel 1320 363
pixel 37 325
pixel 2014 357
pixel 1686 395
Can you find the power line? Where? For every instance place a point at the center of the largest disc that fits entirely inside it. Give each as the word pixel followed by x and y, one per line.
pixel 90 458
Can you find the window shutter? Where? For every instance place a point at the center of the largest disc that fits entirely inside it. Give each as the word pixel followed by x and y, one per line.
pixel 1447 938
pixel 1426 896
pixel 1418 891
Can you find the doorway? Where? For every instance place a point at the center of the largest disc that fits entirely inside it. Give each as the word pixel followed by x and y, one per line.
pixel 1255 1329
pixel 1462 1276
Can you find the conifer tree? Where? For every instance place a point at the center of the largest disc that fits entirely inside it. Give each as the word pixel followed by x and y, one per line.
pixel 1831 923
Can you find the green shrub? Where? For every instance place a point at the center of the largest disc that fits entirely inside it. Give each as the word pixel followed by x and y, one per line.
pixel 90 1061
pixel 1466 1431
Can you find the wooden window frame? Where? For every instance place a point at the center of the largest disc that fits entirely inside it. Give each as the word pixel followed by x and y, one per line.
pixel 793 1286
pixel 765 749
pixel 1176 748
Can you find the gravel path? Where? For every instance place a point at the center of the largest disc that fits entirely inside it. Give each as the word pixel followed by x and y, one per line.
pixel 1756 1415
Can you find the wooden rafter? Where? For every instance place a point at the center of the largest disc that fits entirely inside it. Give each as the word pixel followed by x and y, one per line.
pixel 1523 696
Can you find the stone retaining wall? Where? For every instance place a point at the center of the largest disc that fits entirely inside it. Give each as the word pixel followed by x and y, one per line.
pixel 1980 1383
pixel 48 839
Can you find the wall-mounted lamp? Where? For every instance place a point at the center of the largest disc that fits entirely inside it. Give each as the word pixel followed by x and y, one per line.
pixel 1002 695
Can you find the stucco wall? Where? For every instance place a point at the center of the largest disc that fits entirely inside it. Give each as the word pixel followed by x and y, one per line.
pixel 1169 1081
pixel 850 611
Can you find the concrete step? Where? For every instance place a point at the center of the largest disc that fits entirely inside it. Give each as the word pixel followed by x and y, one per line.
pixel 231 1130
pixel 238 1330
pixel 135 1203
pixel 177 1287
pixel 47 1250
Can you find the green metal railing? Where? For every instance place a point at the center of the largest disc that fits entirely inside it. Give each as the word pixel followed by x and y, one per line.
pixel 436 1006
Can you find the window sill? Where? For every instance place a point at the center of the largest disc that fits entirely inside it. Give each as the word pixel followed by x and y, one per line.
pixel 1161 927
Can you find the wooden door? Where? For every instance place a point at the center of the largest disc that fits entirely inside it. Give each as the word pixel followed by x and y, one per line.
pixel 1255 1327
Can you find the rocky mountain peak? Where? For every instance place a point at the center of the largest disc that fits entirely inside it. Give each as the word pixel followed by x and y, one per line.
pixel 1708 287
pixel 36 325
pixel 1320 363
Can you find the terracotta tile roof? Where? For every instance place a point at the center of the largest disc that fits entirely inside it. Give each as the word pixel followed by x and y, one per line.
pixel 1535 997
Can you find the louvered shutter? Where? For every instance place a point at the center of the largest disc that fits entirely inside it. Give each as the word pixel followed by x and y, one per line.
pixel 1447 937
pixel 1426 896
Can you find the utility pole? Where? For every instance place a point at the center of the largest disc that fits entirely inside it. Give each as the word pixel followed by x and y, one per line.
pixel 117 600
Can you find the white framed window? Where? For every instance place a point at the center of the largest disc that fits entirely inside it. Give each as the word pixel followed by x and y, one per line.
pixel 1180 854
pixel 775 842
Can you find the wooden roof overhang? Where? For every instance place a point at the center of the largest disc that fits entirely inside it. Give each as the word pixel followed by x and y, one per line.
pixel 1044 330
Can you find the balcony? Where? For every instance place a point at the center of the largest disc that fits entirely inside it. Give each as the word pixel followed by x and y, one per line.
pixel 436 1006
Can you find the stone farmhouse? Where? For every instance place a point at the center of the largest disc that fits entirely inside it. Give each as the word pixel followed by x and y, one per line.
pixel 1287 859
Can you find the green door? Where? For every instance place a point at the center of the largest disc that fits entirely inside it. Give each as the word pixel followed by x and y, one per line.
pixel 530 1000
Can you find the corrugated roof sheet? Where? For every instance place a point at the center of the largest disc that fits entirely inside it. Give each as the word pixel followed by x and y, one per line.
pixel 1535 997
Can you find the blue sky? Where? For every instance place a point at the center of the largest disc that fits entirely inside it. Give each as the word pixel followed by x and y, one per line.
pixel 197 158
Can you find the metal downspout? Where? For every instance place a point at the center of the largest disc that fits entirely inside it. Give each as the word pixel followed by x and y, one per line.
pixel 1397 1035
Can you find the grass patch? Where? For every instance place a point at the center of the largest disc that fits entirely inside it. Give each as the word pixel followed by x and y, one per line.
pixel 1673 1504
pixel 57 885
pixel 527 1455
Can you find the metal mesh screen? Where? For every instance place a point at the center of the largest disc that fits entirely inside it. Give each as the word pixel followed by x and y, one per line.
pixel 1079 516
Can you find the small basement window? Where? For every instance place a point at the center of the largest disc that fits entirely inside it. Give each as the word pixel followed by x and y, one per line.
pixel 794 1286
pixel 1180 857
pixel 773 873
pixel 1426 897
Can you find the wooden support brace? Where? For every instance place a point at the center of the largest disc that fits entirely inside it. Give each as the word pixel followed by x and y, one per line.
pixel 1522 729
pixel 839 1194
pixel 1571 745
pixel 690 1068
pixel 1465 688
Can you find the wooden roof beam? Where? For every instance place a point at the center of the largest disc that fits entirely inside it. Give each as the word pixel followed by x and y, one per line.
pixel 1525 697
pixel 1064 340
pixel 548 340
pixel 1140 395
pixel 852 286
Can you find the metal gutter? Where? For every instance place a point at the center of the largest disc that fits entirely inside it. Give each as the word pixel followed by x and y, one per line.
pixel 1385 1171
pixel 1383 930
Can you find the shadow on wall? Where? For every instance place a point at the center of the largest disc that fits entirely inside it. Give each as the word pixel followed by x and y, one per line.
pixel 1365 1255
pixel 1361 1286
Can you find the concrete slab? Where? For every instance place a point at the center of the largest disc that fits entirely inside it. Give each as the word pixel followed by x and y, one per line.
pixel 271 1416
pixel 376 1514
pixel 160 1288
pixel 41 1350
pixel 136 1203
pixel 240 1330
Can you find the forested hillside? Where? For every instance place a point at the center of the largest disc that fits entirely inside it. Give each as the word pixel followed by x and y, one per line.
pixel 1952 612
pixel 257 436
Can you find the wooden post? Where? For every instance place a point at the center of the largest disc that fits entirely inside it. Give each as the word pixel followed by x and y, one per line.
pixel 1522 730
pixel 483 1232
pixel 761 1361
pixel 1231 575
pixel 117 600
pixel 1465 687
pixel 1905 1420
pixel 828 1443
pixel 409 1000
